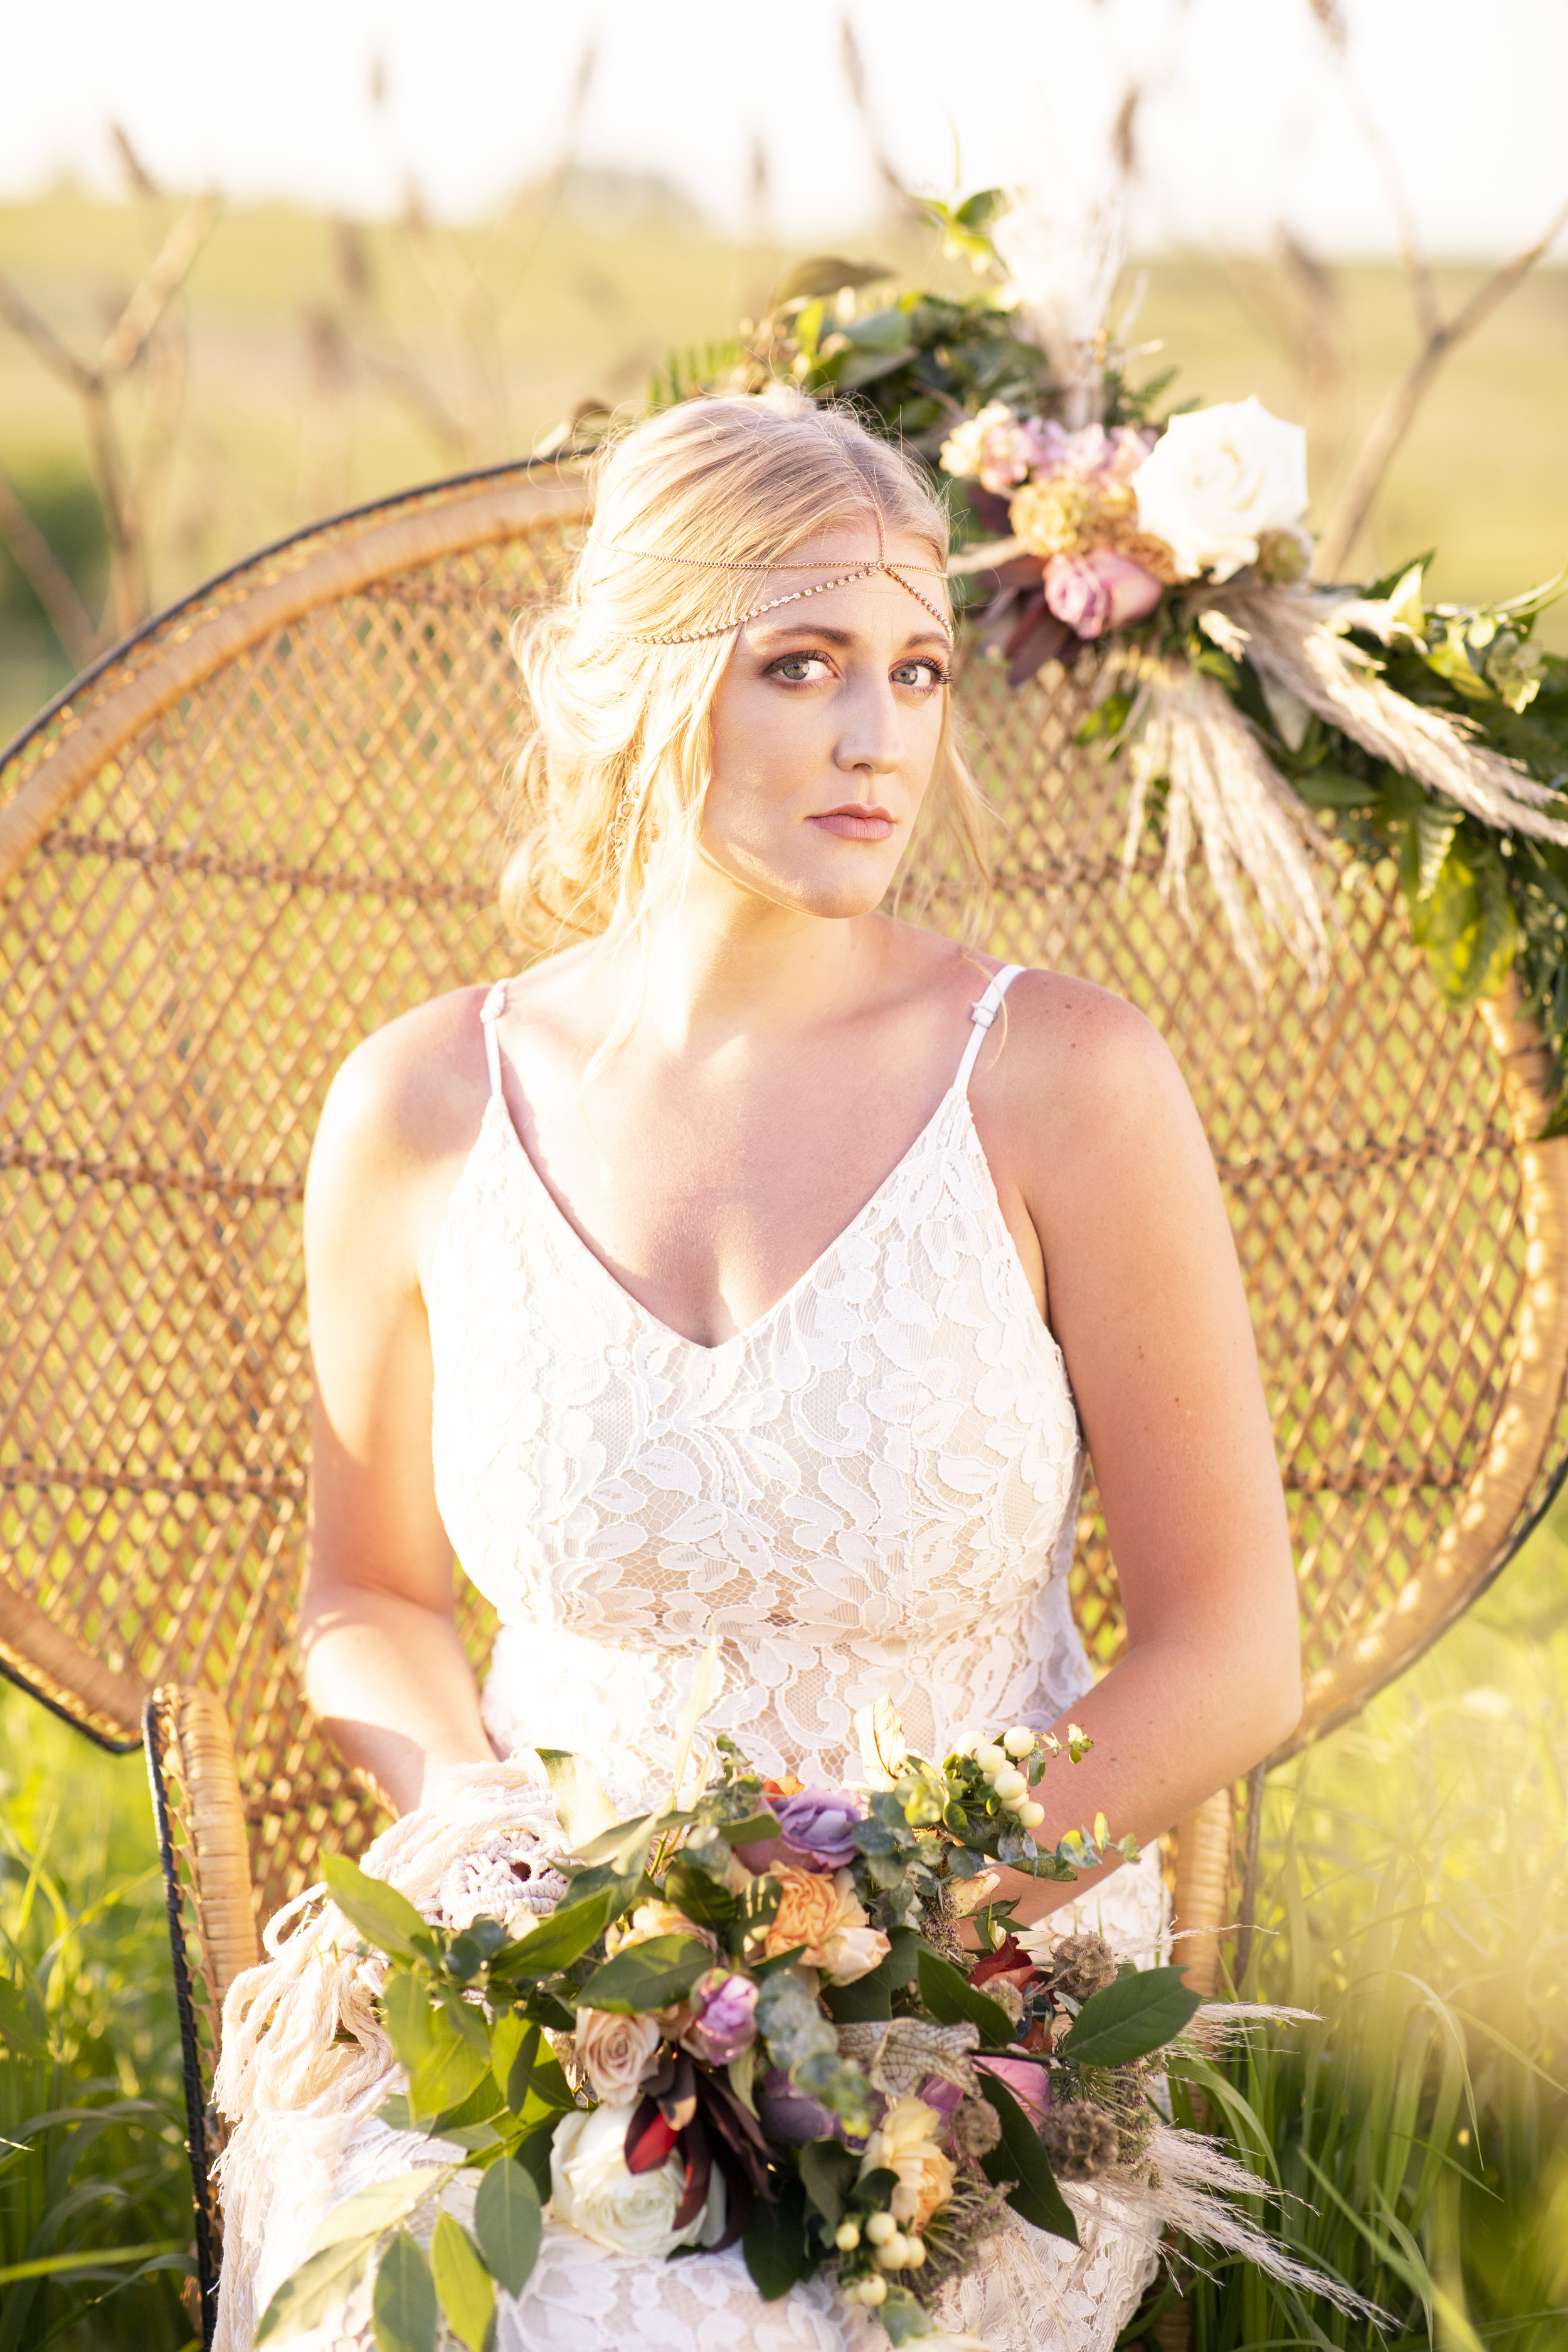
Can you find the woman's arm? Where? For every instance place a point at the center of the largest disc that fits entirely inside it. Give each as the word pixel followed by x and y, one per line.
pixel 1145 1298
pixel 384 1666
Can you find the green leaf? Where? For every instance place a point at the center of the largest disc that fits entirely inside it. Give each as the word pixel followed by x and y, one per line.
pixel 404 2307
pixel 824 273
pixel 410 2021
pixel 509 2220
pixel 621 1843
pixel 649 1975
pixel 535 2084
pixel 753 1831
pixel 382 1916
pixel 561 1938
pixel 23 2028
pixel 532 2152
pixel 951 2001
pixel 450 2072
pixel 904 2316
pixel 1130 2017
pixel 827 2174
pixel 703 1899
pixel 463 2285
pixel 1331 788
pixel 317 2287
pixel 380 2207
pixel 583 1805
pixel 1019 2157
pixel 775 2244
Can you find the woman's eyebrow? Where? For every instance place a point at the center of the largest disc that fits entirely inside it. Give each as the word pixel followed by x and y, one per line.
pixel 809 629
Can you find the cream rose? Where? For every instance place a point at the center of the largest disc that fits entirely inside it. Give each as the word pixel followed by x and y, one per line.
pixel 614 2052
pixel 1216 481
pixel 630 2212
pixel 905 2142
pixel 658 1919
pixel 821 1912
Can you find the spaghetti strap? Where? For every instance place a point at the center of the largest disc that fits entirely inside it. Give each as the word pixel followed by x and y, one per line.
pixel 490 1011
pixel 983 1015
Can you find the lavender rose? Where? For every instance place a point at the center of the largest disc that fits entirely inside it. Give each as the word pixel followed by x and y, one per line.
pixel 725 2019
pixel 1099 591
pixel 817 1831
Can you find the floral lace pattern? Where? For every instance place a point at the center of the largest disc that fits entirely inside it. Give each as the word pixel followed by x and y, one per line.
pixel 871 1489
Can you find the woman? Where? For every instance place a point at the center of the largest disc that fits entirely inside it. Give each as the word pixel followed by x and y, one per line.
pixel 751 1265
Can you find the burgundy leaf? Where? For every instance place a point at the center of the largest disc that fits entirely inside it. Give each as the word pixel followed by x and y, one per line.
pixel 677 2099
pixel 648 2137
pixel 699 2173
pixel 739 2196
pixel 1047 639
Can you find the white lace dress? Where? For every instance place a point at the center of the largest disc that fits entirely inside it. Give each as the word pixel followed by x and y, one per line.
pixel 871 1489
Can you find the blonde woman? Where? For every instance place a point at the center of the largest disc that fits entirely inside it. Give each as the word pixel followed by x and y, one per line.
pixel 759 1263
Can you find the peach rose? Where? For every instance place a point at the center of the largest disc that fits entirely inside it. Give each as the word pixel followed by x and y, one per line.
pixel 905 2142
pixel 821 1912
pixel 614 2052
pixel 657 1918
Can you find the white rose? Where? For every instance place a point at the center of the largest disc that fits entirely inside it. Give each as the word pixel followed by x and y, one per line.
pixel 1215 479
pixel 629 2212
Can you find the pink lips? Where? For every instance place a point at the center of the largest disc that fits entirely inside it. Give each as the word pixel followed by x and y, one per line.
pixel 856 824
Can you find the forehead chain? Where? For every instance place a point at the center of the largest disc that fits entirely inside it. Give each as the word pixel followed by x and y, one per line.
pixel 818 588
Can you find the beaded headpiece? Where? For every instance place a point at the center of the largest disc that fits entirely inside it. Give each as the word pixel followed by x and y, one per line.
pixel 819 588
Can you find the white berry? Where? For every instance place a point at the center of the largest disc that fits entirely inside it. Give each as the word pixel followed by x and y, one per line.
pixel 914 2252
pixel 847 2237
pixel 1030 1816
pixel 881 2228
pixel 1009 1784
pixel 873 2290
pixel 1019 1741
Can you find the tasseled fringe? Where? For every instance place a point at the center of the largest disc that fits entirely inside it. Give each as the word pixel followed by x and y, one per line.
pixel 1193 2191
pixel 1184 727
pixel 1295 637
pixel 304 2058
pixel 1225 790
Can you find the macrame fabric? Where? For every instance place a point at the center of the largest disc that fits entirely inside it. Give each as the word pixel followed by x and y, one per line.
pixel 870 1490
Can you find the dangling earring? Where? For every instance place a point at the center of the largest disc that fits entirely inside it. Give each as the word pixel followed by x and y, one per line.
pixel 621 825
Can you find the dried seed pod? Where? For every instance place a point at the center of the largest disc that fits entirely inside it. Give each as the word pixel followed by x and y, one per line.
pixel 976 2127
pixel 1079 2139
pixel 1081 1965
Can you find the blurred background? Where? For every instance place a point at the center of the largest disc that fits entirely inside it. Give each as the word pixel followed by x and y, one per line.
pixel 254 268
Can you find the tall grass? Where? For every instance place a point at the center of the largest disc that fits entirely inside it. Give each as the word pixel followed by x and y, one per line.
pixel 1412 1896
pixel 95 2199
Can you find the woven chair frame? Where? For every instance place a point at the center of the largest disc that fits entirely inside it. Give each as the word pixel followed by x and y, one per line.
pixel 270 821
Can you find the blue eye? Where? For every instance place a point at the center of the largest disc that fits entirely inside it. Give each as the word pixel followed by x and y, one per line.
pixel 795 668
pixel 925 674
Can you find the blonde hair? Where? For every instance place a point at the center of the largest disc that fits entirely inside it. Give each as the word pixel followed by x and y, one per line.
pixel 609 784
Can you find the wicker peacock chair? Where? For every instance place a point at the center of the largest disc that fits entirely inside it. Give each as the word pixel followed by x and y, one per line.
pixel 267 825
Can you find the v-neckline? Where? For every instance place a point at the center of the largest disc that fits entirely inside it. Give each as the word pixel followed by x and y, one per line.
pixel 498 1109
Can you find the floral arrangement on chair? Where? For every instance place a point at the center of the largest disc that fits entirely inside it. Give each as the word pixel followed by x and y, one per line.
pixel 750 2019
pixel 1292 731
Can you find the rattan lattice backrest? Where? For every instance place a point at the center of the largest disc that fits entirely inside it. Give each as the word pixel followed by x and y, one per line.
pixel 269 828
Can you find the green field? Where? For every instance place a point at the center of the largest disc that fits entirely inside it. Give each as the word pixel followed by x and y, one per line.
pixel 325 364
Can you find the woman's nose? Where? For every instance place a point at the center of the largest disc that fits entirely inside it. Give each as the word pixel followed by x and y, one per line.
pixel 872 735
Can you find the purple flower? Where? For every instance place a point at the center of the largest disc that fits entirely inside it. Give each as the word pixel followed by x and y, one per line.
pixel 817 1831
pixel 793 2117
pixel 725 2022
pixel 1099 591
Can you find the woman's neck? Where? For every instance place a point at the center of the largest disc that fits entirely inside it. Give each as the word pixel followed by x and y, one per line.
pixel 726 960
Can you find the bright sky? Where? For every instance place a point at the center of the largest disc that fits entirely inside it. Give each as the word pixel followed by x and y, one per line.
pixel 1244 123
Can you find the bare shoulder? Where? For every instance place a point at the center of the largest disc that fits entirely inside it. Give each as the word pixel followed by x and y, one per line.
pixel 1085 1052
pixel 414 1088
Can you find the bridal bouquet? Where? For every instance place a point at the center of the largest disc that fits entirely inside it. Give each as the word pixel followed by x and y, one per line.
pixel 747 2019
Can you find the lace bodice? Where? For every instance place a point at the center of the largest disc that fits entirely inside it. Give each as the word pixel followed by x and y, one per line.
pixel 870 1489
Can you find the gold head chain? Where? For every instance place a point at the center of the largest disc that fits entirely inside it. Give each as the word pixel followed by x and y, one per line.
pixel 820 588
